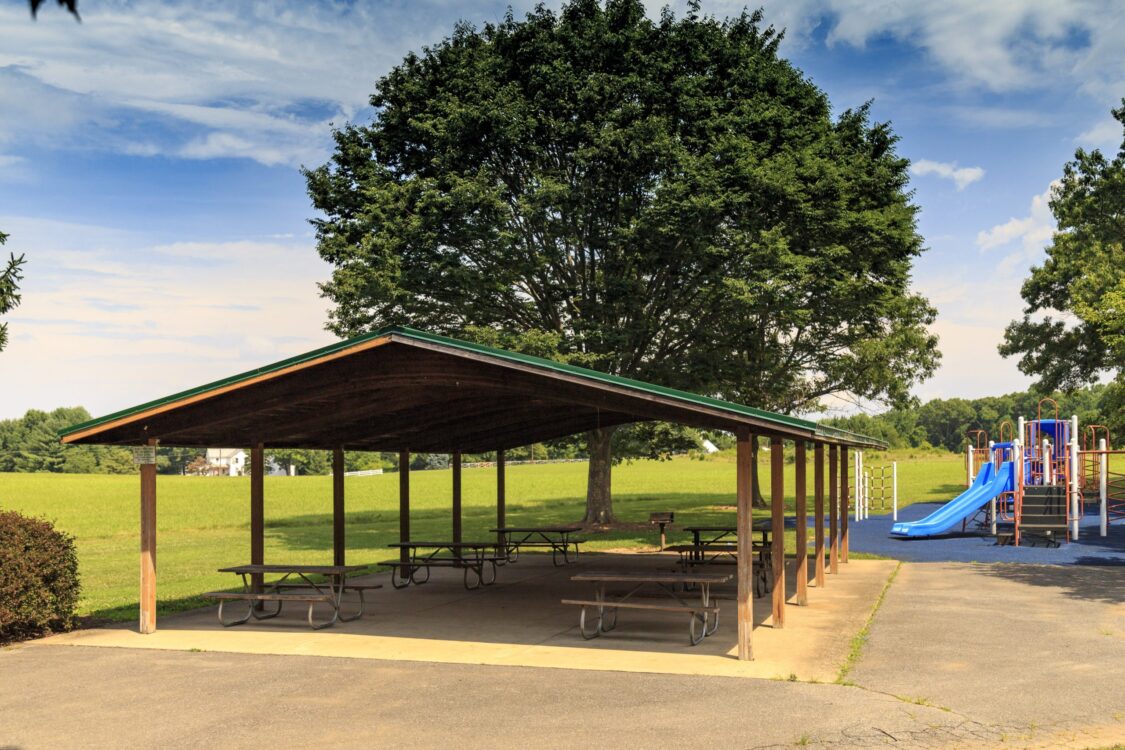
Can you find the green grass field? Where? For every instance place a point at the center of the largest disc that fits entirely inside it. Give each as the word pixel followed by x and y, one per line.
pixel 203 523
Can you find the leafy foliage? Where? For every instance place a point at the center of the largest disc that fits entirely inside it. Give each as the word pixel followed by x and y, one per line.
pixel 70 5
pixel 663 199
pixel 31 444
pixel 38 578
pixel 10 276
pixel 1083 279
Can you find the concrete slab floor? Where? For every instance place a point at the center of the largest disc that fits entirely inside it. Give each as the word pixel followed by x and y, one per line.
pixel 958 656
pixel 520 621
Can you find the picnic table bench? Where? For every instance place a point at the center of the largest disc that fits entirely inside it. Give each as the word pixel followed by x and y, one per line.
pixel 330 591
pixel 726 554
pixel 704 615
pixel 473 557
pixel 557 538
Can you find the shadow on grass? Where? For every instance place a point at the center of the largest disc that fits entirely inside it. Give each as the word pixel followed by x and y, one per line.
pixel 129 611
pixel 949 491
pixel 374 529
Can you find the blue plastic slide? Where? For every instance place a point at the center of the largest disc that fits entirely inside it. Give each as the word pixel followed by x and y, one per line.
pixel 989 483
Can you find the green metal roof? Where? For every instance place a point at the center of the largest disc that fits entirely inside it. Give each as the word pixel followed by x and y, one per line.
pixel 402 333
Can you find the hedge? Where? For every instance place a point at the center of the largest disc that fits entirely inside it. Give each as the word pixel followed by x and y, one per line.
pixel 38 578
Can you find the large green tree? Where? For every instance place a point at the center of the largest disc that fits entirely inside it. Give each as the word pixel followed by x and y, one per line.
pixel 1073 328
pixel 10 275
pixel 665 199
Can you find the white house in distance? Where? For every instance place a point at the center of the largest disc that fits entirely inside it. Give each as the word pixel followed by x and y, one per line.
pixel 226 461
pixel 233 461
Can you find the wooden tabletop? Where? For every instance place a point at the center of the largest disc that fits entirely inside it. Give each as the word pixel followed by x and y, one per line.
pixel 656 576
pixel 534 529
pixel 327 570
pixel 764 525
pixel 445 545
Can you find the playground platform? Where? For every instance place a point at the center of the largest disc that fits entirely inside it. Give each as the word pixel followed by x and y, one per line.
pixel 873 535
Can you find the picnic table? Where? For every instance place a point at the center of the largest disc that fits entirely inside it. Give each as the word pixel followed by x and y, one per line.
pixel 558 538
pixel 712 545
pixel 727 534
pixel 473 557
pixel 704 615
pixel 329 591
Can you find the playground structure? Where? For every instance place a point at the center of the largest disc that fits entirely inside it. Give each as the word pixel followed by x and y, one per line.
pixel 878 483
pixel 1034 483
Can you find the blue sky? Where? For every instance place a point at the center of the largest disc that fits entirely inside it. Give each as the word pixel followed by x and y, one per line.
pixel 149 156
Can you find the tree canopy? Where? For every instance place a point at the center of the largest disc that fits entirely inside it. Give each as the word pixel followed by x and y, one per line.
pixel 1073 328
pixel 945 423
pixel 664 199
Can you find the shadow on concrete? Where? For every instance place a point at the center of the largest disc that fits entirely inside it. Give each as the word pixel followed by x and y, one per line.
pixel 1084 580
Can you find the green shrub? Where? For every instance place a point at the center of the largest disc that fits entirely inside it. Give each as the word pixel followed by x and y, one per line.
pixel 38 578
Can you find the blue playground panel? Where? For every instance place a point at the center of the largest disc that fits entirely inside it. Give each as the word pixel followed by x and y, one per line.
pixel 873 535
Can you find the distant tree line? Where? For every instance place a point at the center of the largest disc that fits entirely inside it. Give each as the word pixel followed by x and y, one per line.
pixel 31 444
pixel 945 423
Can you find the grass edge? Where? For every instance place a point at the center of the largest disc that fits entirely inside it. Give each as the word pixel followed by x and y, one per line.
pixel 859 640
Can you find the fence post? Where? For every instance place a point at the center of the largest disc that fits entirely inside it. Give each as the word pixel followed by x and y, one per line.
pixel 855 474
pixel 992 502
pixel 1048 464
pixel 894 491
pixel 867 494
pixel 1103 476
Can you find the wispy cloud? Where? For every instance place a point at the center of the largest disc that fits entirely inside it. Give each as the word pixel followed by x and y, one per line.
pixel 962 176
pixel 187 313
pixel 998 46
pixel 206 79
pixel 1106 133
pixel 1033 232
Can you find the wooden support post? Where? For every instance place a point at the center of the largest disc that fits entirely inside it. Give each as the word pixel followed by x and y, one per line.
pixel 148 546
pixel 843 504
pixel 501 498
pixel 833 509
pixel 745 534
pixel 802 526
pixel 455 464
pixel 257 513
pixel 404 503
pixel 818 512
pixel 338 506
pixel 777 528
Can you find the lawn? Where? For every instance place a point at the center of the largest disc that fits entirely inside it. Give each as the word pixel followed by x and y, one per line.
pixel 203 523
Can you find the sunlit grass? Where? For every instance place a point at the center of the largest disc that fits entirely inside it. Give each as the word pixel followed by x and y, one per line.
pixel 203 523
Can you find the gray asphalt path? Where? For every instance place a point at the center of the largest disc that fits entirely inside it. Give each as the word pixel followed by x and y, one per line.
pixel 1006 644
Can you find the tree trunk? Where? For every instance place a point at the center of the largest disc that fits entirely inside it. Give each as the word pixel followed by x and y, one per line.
pixel 599 500
pixel 756 489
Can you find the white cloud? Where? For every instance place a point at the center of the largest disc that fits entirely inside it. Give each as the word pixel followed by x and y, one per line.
pixel 110 318
pixel 1033 232
pixel 204 79
pixel 999 46
pixel 1004 117
pixel 971 367
pixel 1105 134
pixel 961 176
